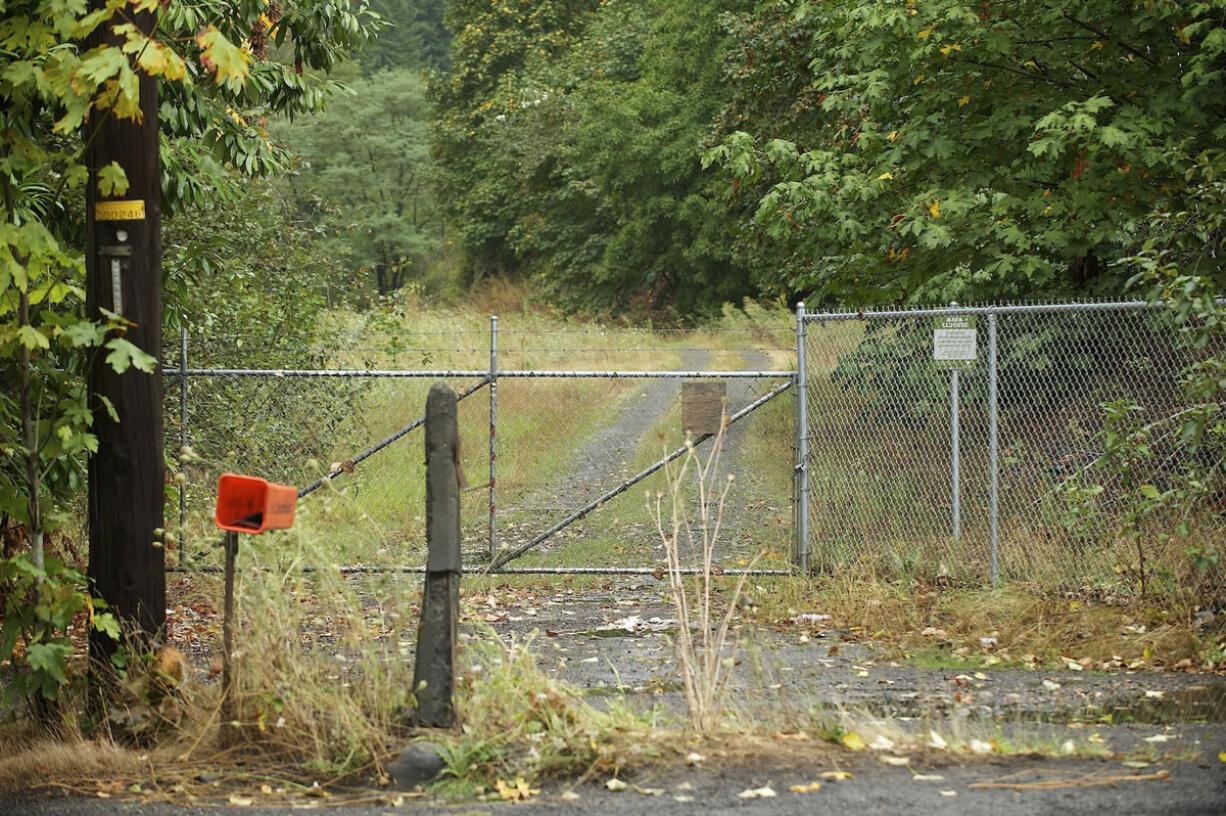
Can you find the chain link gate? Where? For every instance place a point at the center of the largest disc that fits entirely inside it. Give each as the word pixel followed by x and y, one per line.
pixel 560 485
pixel 1008 467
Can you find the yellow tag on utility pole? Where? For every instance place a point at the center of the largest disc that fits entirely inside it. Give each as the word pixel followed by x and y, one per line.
pixel 119 210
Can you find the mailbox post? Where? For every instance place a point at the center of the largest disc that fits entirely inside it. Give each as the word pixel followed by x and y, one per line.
pixel 245 504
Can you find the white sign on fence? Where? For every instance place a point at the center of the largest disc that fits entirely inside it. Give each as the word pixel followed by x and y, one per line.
pixel 954 339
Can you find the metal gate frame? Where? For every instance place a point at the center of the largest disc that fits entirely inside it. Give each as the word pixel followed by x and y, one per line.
pixel 497 564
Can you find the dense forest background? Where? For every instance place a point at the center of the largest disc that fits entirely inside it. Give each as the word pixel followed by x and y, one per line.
pixel 659 159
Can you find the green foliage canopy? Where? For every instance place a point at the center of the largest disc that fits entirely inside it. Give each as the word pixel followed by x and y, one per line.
pixel 938 149
pixel 58 77
pixel 369 154
pixel 569 138
pixel 493 48
pixel 415 38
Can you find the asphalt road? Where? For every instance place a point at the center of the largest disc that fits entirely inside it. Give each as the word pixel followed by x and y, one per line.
pixel 1045 786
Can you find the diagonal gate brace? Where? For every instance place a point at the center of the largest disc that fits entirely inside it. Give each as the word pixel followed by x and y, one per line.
pixel 511 555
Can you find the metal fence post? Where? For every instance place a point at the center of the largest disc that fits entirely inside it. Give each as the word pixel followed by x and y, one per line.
pixel 182 443
pixel 493 544
pixel 802 446
pixel 994 464
pixel 955 451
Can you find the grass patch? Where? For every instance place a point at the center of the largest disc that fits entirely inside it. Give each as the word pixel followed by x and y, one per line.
pixel 935 626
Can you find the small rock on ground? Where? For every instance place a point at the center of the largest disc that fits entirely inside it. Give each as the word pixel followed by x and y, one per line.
pixel 418 764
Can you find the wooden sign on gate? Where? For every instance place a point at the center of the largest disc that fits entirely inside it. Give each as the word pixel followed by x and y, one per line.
pixel 702 407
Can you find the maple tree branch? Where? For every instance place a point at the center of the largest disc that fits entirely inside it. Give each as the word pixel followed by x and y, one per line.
pixel 1027 74
pixel 1106 36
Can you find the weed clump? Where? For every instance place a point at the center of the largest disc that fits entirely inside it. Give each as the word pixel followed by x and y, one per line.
pixel 704 656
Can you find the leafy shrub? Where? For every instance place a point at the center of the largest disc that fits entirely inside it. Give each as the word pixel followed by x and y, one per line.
pixel 40 605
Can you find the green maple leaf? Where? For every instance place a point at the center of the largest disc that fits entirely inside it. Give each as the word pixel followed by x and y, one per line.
pixel 227 61
pixel 112 180
pixel 124 355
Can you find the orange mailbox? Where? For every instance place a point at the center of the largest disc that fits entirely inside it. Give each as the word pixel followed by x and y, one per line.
pixel 246 504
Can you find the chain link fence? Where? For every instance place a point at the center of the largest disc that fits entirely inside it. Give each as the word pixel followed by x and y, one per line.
pixel 1069 441
pixel 1060 454
pixel 556 428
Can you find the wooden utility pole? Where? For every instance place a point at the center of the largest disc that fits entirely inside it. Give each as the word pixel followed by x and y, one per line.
pixel 123 262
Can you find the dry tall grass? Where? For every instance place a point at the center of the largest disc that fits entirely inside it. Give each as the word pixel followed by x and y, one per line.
pixel 705 659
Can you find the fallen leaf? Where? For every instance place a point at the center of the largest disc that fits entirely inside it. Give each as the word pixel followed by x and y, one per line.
pixel 570 796
pixel 812 787
pixel 683 798
pixel 239 801
pixel 693 757
pixel 1050 685
pixel 650 791
pixel 1136 764
pixel 1159 738
pixel 980 747
pixel 896 761
pixel 616 784
pixel 853 741
pixel 937 741
pixel 517 792
pixel 882 743
pixel 839 776
pixel 764 792
pixel 949 793
pixel 928 777
pixel 1155 695
pixel 1222 756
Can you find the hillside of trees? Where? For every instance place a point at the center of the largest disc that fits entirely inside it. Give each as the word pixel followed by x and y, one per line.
pixel 673 157
pixel 639 157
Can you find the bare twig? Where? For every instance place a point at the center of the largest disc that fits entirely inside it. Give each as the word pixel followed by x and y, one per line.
pixel 703 660
pixel 1092 780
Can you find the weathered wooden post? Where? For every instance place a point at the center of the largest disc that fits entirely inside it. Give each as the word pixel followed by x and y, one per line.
pixel 434 671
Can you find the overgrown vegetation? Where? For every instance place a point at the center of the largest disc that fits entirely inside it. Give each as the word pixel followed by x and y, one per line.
pixel 688 525
pixel 639 161
pixel 40 604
